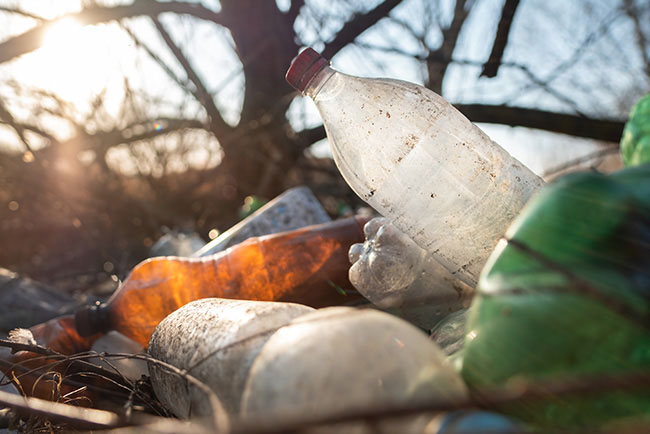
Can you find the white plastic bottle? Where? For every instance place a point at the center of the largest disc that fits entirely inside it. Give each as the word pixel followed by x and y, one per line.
pixel 418 161
pixel 216 340
pixel 341 360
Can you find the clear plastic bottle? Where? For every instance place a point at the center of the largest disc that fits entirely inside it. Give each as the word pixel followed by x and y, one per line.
pixel 418 161
pixel 394 273
pixel 449 333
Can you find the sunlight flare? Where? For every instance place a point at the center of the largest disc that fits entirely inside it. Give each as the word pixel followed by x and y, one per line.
pixel 62 33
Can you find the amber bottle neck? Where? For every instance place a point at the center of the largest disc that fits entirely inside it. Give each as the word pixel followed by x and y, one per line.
pixel 90 320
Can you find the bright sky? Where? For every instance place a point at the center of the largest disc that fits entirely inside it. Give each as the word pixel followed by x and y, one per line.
pixel 83 62
pixel 86 61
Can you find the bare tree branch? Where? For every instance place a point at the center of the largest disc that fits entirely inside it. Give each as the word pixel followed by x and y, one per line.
pixel 264 48
pixel 418 34
pixel 33 38
pixel 392 50
pixel 294 11
pixel 182 83
pixel 8 119
pixel 359 24
pixel 62 108
pixel 310 136
pixel 217 124
pixel 594 36
pixel 102 141
pixel 546 87
pixel 501 39
pixel 599 129
pixel 435 68
pixel 448 60
pixel 21 12
pixel 27 127
pixel 610 150
pixel 633 13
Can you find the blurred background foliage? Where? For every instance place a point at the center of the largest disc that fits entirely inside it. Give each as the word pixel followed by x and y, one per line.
pixel 121 118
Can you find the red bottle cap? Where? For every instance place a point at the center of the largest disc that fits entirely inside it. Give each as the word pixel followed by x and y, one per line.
pixel 304 67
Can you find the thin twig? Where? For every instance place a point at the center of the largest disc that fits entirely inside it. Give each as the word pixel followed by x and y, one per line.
pixel 21 12
pixel 610 150
pixel 442 59
pixel 495 399
pixel 201 93
pixel 80 417
pixel 633 13
pixel 7 118
pixel 38 349
pixel 139 43
pixel 219 417
pixel 614 15
pixel 58 359
pixel 357 25
pixel 520 393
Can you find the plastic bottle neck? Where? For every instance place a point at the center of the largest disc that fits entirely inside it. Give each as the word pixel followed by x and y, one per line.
pixel 316 84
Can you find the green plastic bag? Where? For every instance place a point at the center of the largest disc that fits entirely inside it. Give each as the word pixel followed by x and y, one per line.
pixel 635 143
pixel 533 317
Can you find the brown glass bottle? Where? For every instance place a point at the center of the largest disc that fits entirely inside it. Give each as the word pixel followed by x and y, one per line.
pixel 307 266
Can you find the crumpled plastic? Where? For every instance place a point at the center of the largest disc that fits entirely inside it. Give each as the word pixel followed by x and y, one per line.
pixel 635 142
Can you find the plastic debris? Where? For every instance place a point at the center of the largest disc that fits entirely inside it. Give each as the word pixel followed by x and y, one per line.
pixel 394 273
pixel 635 143
pixel 566 295
pixel 175 243
pixel 340 359
pixel 449 333
pixel 216 341
pixel 293 209
pixel 419 162
pixel 25 302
